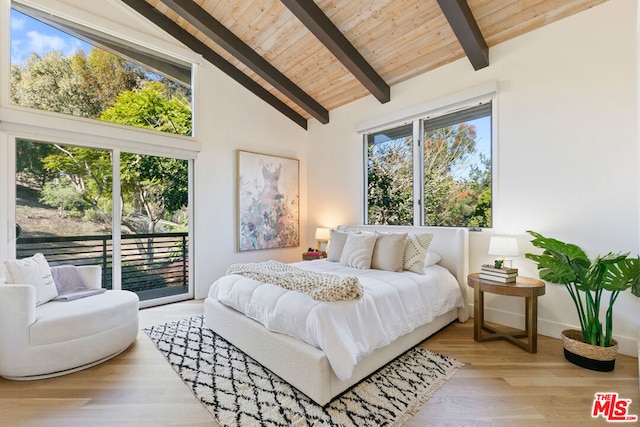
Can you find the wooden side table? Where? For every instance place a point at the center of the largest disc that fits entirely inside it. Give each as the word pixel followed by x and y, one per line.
pixel 526 287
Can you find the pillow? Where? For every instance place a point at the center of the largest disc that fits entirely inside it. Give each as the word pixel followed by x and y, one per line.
pixel 358 250
pixel 33 271
pixel 68 279
pixel 432 258
pixel 337 239
pixel 71 284
pixel 388 252
pixel 415 251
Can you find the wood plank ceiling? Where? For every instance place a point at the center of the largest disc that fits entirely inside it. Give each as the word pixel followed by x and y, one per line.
pixel 307 57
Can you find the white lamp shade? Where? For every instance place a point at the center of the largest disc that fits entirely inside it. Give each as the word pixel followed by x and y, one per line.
pixel 323 234
pixel 503 246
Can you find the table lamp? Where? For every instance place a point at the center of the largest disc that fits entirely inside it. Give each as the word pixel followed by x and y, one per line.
pixel 503 246
pixel 322 236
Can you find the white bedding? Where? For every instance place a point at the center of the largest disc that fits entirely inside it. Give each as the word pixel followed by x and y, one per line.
pixel 393 305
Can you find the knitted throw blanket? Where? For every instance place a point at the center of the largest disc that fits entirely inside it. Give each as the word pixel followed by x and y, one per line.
pixel 319 286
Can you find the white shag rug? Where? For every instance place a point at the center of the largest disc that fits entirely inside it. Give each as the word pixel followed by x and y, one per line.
pixel 238 391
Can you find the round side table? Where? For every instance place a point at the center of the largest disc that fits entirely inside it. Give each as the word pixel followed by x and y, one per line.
pixel 526 287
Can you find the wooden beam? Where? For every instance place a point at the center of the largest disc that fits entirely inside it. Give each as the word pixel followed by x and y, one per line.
pixel 467 31
pixel 212 28
pixel 180 34
pixel 321 26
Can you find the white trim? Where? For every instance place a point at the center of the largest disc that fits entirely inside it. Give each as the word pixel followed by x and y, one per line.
pixel 5 226
pixel 418 180
pixel 429 109
pixel 94 133
pixel 116 221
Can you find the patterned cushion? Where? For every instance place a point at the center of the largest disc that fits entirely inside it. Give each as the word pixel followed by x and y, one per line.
pixel 415 251
pixel 33 271
pixel 358 250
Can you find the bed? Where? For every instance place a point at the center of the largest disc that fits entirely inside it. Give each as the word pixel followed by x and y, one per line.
pixel 306 366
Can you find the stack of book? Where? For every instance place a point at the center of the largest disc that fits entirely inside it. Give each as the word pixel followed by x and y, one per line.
pixel 503 275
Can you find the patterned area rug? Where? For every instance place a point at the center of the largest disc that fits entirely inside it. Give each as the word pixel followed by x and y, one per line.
pixel 238 391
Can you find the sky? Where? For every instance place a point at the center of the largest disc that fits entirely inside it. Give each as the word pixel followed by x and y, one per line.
pixel 29 35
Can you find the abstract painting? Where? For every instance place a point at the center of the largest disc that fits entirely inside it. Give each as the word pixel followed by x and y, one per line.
pixel 267 201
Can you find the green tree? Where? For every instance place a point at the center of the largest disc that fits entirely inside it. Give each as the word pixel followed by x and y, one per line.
pixel 156 186
pixel 101 85
pixel 89 171
pixel 457 181
pixel 48 83
pixel 105 76
pixel 30 171
pixel 62 195
pixel 149 107
pixel 453 180
pixel 390 182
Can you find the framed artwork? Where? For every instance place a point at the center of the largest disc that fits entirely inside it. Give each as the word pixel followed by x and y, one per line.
pixel 268 201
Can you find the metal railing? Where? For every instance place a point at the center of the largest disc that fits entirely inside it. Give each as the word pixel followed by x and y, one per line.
pixel 152 265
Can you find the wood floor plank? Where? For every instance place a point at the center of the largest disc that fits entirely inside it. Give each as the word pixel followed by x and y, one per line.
pixel 500 385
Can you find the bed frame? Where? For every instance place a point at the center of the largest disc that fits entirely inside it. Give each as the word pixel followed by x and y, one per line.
pixel 305 367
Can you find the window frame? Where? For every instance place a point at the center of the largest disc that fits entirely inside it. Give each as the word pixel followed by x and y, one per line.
pixel 417 115
pixel 18 122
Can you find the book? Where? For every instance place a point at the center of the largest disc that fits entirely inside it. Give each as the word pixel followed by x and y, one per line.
pixel 498 274
pixel 497 278
pixel 489 267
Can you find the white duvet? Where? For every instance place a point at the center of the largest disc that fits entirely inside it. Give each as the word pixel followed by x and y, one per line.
pixel 393 305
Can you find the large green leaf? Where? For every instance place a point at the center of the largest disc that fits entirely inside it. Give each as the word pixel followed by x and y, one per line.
pixel 620 273
pixel 558 248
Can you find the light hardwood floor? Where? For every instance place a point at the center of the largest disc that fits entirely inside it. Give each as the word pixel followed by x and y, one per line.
pixel 500 385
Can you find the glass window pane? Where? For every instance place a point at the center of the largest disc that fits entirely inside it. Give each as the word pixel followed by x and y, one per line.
pixel 63 204
pixel 457 169
pixel 155 225
pixel 390 176
pixel 60 66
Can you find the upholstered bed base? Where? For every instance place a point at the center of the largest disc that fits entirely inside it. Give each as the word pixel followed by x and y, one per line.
pixel 301 365
pixel 306 367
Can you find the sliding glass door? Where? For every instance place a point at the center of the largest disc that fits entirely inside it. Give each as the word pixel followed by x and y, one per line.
pixel 66 203
pixel 154 228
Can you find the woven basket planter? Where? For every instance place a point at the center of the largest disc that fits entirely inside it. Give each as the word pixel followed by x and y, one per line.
pixel 586 355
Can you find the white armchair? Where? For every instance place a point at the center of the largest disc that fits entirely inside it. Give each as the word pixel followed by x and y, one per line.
pixel 60 337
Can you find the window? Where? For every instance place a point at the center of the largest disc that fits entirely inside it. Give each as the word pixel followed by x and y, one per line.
pixel 64 209
pixel 390 176
pixel 61 66
pixel 82 191
pixel 447 184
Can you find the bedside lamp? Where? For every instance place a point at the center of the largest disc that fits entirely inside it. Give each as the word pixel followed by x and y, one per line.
pixel 322 236
pixel 503 246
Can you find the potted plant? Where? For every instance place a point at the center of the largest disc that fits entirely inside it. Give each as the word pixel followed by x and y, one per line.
pixel 586 281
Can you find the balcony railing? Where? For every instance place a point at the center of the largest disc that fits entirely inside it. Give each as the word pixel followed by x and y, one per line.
pixel 152 265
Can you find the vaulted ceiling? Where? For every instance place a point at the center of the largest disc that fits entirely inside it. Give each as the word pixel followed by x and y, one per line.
pixel 307 57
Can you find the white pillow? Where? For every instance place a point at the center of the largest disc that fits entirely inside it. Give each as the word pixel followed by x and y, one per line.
pixel 337 239
pixel 33 271
pixel 432 258
pixel 415 251
pixel 358 250
pixel 388 252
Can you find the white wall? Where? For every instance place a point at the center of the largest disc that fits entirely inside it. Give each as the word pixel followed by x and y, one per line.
pixel 231 118
pixel 567 160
